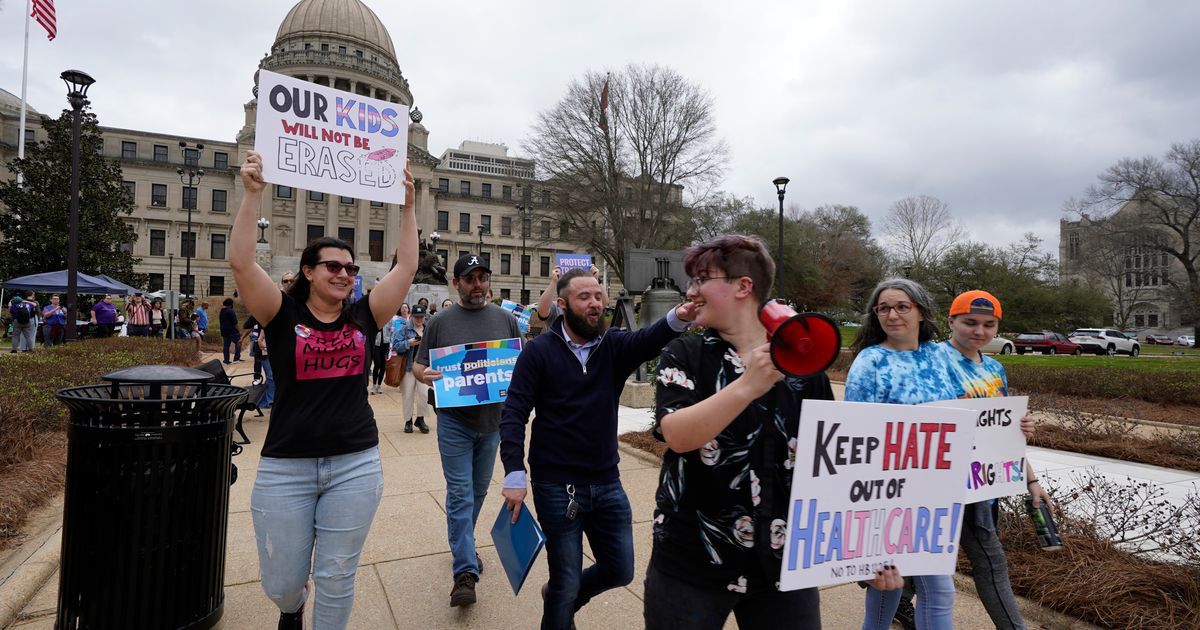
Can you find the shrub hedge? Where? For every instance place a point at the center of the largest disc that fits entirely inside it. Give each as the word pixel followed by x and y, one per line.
pixel 1168 382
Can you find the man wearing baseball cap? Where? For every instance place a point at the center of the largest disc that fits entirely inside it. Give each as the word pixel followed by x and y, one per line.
pixel 467 436
pixel 974 321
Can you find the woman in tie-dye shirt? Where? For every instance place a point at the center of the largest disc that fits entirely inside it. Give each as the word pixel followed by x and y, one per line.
pixel 898 362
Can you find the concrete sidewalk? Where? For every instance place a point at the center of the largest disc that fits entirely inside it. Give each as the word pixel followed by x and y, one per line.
pixel 404 578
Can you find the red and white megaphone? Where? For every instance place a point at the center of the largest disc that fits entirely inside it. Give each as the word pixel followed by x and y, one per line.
pixel 802 344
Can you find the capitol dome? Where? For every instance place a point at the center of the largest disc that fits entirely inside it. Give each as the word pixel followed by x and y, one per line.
pixel 336 19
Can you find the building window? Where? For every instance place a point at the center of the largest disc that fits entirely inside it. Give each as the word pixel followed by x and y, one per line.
pixel 187 244
pixel 545 228
pixel 316 195
pixel 158 195
pixel 129 150
pixel 524 264
pixel 526 227
pixel 545 266
pixel 443 184
pixel 220 160
pixel 376 204
pixel 358 53
pixel 486 190
pixel 341 50
pixel 191 157
pixel 464 188
pixel 217 249
pixel 156 282
pixel 443 220
pixel 347 234
pixel 462 252
pixel 307 46
pixel 30 136
pixel 545 197
pixel 188 199
pixel 314 232
pixel 346 201
pixel 464 222
pixel 443 255
pixel 375 245
pixel 160 153
pixel 283 192
pixel 564 230
pixel 505 294
pixel 187 284
pixel 505 264
pixel 130 190
pixel 487 259
pixel 1152 320
pixel 216 285
pixel 525 296
pixel 506 193
pixel 324 47
pixel 1073 245
pixel 219 200
pixel 158 242
pixel 506 226
pixel 485 221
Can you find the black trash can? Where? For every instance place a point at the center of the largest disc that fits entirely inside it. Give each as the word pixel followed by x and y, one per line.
pixel 147 500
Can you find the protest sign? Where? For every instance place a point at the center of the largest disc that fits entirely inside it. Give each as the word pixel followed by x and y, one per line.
pixel 521 313
pixel 474 373
pixel 567 262
pixel 872 485
pixel 998 462
pixel 314 137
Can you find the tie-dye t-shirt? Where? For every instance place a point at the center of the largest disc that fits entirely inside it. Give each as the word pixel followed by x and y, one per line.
pixel 906 377
pixel 985 379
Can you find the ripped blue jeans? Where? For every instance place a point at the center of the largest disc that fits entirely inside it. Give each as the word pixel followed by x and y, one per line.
pixel 312 515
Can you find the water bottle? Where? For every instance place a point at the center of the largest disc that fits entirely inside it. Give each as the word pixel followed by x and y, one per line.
pixel 1043 523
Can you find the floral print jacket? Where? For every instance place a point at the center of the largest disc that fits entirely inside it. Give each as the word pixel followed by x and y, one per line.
pixel 721 510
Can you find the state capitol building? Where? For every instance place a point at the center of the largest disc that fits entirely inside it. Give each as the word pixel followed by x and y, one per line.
pixel 467 195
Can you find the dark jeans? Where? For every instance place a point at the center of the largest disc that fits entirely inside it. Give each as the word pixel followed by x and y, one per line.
pixel 133 330
pixel 236 341
pixel 673 603
pixel 605 517
pixel 378 363
pixel 104 330
pixel 989 565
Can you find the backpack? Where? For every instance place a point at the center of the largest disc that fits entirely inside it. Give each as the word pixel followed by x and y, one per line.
pixel 23 315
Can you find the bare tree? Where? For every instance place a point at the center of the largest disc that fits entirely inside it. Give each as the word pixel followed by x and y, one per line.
pixel 1103 259
pixel 920 230
pixel 619 173
pixel 717 214
pixel 1157 203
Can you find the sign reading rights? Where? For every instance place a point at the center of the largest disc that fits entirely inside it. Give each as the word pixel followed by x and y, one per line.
pixel 474 373
pixel 314 137
pixel 567 262
pixel 875 485
pixel 998 462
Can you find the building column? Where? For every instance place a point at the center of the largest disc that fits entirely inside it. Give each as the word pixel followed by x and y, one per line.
pixel 331 215
pixel 300 234
pixel 362 230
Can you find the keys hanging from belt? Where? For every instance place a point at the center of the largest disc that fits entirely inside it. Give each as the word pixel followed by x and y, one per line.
pixel 572 506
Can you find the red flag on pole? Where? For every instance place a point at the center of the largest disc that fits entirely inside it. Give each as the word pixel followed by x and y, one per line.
pixel 604 106
pixel 43 12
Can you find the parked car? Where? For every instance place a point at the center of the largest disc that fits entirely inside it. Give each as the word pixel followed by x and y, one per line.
pixel 1105 341
pixel 1186 340
pixel 999 345
pixel 1161 340
pixel 1046 342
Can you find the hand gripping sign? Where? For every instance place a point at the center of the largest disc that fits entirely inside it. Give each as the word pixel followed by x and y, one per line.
pixel 314 137
pixel 874 485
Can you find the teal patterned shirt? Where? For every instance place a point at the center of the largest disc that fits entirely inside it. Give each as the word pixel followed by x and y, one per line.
pixel 905 377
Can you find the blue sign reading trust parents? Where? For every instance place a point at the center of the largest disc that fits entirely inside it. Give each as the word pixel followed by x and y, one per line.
pixel 474 373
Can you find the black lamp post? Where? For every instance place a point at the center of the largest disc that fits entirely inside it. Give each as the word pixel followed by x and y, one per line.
pixel 77 86
pixel 523 209
pixel 780 188
pixel 263 224
pixel 193 174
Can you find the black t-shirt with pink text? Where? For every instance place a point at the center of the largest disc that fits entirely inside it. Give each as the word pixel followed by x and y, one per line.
pixel 320 407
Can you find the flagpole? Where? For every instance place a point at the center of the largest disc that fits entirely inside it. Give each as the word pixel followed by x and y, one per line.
pixel 24 83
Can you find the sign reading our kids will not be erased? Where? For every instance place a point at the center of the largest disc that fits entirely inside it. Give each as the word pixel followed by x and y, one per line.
pixel 474 373
pixel 314 137
pixel 875 485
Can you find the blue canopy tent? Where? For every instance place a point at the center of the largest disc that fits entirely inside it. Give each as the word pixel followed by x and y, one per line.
pixel 56 282
pixel 125 288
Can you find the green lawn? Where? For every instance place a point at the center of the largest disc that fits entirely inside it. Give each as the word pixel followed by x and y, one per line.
pixel 1143 363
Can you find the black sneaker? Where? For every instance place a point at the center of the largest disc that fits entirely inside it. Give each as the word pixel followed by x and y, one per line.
pixel 421 424
pixel 292 621
pixel 408 426
pixel 463 593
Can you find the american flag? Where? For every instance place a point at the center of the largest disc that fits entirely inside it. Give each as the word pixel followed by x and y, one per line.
pixel 43 12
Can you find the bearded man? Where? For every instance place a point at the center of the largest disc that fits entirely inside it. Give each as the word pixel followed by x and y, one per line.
pixel 573 376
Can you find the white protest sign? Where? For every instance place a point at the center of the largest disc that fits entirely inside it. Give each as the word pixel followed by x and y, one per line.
pixel 314 137
pixel 998 462
pixel 875 484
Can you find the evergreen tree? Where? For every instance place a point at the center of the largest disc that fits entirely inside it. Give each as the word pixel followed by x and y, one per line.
pixel 35 216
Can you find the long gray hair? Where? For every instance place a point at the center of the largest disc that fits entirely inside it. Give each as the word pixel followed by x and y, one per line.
pixel 871 333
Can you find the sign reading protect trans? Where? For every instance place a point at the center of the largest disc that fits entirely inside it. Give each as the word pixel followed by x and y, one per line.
pixel 314 137
pixel 474 373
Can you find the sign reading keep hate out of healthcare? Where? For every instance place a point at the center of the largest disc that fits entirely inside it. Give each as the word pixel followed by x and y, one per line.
pixel 998 462
pixel 314 137
pixel 474 373
pixel 874 485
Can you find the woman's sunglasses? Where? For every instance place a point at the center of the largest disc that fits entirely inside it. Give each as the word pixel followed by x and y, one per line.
pixel 336 267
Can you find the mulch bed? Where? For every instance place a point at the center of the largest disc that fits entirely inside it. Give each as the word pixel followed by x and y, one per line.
pixel 1155 412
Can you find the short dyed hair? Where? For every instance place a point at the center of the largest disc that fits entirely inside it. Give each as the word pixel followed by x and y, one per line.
pixel 565 280
pixel 736 255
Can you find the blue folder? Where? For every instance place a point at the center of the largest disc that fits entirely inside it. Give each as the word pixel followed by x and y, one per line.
pixel 517 544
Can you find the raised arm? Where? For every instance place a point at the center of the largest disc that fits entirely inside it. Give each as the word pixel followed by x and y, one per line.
pixel 549 294
pixel 389 292
pixel 255 287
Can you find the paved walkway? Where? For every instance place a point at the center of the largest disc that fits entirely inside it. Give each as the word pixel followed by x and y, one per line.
pixel 404 579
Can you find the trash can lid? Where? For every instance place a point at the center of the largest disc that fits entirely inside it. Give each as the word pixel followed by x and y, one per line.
pixel 158 374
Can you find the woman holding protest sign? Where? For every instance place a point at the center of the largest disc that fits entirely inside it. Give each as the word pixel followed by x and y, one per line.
pixel 729 419
pixel 320 479
pixel 974 320
pixel 898 362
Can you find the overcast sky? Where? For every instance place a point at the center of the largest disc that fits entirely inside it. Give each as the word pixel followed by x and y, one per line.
pixel 1004 109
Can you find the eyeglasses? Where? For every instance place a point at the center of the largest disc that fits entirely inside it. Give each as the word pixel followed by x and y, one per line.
pixel 336 267
pixel 286 281
pixel 699 281
pixel 903 308
pixel 472 279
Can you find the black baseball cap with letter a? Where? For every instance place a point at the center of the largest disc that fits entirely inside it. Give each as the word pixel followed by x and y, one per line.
pixel 467 263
